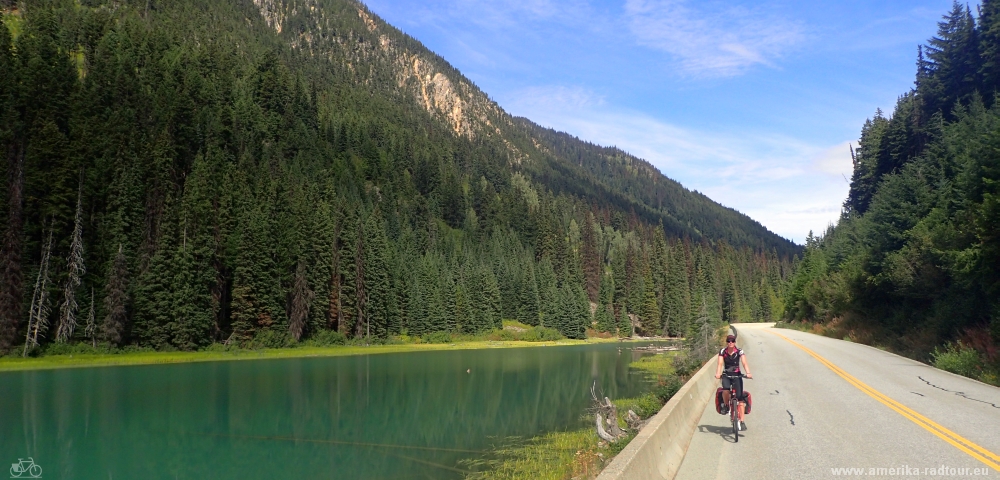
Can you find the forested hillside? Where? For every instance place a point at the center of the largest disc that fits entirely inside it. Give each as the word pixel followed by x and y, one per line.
pixel 196 171
pixel 915 258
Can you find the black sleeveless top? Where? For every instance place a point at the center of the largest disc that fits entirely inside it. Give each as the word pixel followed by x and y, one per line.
pixel 731 360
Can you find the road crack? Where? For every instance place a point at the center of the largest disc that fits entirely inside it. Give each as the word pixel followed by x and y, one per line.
pixel 791 418
pixel 960 394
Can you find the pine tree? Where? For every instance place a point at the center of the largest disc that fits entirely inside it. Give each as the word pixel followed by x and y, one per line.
pixel 12 150
pixel 624 323
pixel 989 38
pixel 300 301
pixel 590 255
pixel 650 306
pixel 605 314
pixel 953 62
pixel 91 326
pixel 605 319
pixel 527 288
pixel 115 300
pixel 380 296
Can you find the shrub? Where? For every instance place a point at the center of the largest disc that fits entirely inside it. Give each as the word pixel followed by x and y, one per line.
pixel 531 335
pixel 687 364
pixel 271 339
pixel 644 406
pixel 438 337
pixel 958 358
pixel 56 348
pixel 326 338
pixel 502 335
pixel 547 334
pixel 667 387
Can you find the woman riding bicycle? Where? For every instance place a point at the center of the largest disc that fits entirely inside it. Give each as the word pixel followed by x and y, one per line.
pixel 730 359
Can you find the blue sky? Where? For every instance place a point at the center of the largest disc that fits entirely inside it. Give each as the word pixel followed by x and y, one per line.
pixel 751 103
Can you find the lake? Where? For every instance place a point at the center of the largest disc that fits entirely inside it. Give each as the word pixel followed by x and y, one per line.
pixel 399 415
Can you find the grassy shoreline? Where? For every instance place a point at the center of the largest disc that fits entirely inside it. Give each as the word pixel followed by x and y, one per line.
pixel 578 453
pixel 8 364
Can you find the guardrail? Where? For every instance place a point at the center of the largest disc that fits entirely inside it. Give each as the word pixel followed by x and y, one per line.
pixel 659 448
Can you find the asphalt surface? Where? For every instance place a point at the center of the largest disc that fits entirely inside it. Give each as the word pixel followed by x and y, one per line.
pixel 807 420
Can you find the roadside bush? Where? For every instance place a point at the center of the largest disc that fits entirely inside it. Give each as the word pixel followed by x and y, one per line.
pixel 958 358
pixel 667 387
pixel 686 364
pixel 644 406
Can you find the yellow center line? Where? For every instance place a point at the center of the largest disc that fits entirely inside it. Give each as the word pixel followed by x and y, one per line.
pixel 975 451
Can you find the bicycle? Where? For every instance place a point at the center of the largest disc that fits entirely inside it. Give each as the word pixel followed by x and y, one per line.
pixel 734 402
pixel 25 466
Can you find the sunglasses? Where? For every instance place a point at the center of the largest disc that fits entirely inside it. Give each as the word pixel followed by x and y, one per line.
pixel 730 341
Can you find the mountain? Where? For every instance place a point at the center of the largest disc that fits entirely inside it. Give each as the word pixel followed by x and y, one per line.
pixel 266 171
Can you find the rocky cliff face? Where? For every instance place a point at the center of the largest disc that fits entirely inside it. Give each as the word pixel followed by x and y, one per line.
pixel 372 47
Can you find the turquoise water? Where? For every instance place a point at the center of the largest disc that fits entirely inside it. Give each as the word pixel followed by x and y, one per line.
pixel 402 415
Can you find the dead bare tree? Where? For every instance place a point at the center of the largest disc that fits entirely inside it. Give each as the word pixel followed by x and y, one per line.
pixel 38 314
pixel 606 418
pixel 75 269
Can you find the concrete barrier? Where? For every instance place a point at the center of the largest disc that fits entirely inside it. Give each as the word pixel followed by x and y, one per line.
pixel 659 448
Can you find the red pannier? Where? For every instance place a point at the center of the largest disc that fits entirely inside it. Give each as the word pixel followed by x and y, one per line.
pixel 719 403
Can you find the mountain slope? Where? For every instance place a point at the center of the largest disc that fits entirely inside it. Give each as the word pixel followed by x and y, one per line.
pixel 264 172
pixel 556 160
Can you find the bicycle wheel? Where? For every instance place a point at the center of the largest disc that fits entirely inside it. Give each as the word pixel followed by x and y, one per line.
pixel 35 471
pixel 735 416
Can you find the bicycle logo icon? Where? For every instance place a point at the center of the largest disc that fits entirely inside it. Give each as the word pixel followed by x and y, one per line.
pixel 22 467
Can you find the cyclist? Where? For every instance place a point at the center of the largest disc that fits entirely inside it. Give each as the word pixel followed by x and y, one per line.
pixel 730 359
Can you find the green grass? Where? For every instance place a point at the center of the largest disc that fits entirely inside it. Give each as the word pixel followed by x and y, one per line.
pixel 219 353
pixel 656 365
pixel 577 454
pixel 555 456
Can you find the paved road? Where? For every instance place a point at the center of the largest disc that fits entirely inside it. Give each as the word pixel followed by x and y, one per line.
pixel 808 420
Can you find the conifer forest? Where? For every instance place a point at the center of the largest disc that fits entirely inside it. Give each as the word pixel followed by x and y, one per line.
pixel 914 260
pixel 189 172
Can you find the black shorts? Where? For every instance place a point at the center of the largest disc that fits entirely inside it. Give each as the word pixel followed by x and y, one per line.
pixel 737 382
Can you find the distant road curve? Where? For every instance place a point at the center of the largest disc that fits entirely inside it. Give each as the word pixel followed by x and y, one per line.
pixel 826 408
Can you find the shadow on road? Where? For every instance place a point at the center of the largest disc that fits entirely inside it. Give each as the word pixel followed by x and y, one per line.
pixel 725 432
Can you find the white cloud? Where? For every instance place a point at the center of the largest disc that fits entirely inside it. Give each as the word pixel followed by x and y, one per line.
pixel 789 185
pixel 714 39
pixel 836 160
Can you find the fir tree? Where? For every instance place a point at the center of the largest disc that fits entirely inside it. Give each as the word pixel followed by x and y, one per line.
pixel 115 300
pixel 300 301
pixel 590 255
pixel 12 151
